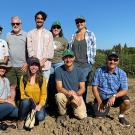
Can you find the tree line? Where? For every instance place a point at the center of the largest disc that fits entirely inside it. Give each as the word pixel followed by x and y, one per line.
pixel 127 58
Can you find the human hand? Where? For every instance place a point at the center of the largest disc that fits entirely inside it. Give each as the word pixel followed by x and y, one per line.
pixel 38 108
pixel 111 101
pixel 10 101
pixel 42 62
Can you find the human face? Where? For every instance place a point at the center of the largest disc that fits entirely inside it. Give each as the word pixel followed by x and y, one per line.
pixel 68 61
pixel 56 30
pixel 112 62
pixel 2 71
pixel 34 68
pixel 80 24
pixel 39 21
pixel 16 25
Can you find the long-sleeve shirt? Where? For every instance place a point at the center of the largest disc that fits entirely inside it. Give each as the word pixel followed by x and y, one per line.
pixel 91 45
pixel 46 45
pixel 33 91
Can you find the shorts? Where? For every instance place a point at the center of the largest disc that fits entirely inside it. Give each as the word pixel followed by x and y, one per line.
pixel 117 103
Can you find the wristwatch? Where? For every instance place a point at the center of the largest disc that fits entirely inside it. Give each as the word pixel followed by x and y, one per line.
pixel 114 95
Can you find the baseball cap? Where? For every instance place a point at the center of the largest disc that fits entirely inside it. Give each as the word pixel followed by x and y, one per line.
pixel 56 23
pixel 80 18
pixel 33 60
pixel 3 65
pixel 113 54
pixel 68 52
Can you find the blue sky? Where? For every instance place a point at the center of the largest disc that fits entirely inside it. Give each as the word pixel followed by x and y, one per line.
pixel 112 21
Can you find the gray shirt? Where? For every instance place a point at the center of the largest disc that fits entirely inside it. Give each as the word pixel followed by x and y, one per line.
pixel 17 48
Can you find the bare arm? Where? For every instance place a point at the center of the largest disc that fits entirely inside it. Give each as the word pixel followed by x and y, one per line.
pixel 60 88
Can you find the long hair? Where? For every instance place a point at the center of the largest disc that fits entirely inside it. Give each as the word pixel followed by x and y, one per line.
pixel 60 34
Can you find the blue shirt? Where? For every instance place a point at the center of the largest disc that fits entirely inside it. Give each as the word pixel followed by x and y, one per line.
pixel 70 79
pixel 109 83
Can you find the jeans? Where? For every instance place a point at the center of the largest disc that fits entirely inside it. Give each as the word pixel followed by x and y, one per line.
pixel 46 74
pixel 8 110
pixel 26 106
pixel 85 70
pixel 55 66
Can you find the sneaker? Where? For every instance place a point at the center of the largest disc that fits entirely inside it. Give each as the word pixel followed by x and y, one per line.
pixel 20 124
pixel 123 121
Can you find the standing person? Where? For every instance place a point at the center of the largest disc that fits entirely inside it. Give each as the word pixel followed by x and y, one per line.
pixel 7 105
pixel 40 44
pixel 83 44
pixel 60 44
pixel 16 41
pixel 110 88
pixel 3 49
pixel 70 85
pixel 33 93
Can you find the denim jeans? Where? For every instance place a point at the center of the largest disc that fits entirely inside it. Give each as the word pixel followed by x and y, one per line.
pixel 26 106
pixel 46 74
pixel 85 70
pixel 55 66
pixel 8 110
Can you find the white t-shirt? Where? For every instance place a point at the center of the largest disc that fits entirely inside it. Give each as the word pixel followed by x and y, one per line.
pixel 3 49
pixel 39 50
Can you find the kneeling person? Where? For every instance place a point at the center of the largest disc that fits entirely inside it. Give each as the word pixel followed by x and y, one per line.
pixel 110 88
pixel 70 86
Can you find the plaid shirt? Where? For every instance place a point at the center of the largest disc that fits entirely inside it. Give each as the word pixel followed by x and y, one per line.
pixel 109 83
pixel 91 45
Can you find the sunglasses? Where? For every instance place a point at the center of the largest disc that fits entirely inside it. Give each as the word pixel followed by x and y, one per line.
pixel 56 27
pixel 80 21
pixel 113 59
pixel 13 24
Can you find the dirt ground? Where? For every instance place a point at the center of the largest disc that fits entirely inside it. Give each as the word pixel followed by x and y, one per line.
pixel 88 126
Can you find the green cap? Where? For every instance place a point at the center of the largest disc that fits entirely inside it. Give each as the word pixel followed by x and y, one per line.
pixel 68 52
pixel 80 18
pixel 56 23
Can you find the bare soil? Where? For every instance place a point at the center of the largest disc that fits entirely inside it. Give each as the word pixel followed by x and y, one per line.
pixel 88 126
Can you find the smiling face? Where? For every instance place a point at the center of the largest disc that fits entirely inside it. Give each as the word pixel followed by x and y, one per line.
pixel 2 71
pixel 39 21
pixel 112 62
pixel 56 30
pixel 68 61
pixel 16 24
pixel 34 68
pixel 81 24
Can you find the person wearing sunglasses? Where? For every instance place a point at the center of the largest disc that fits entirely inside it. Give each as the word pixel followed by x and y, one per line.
pixel 17 63
pixel 4 54
pixel 83 44
pixel 110 89
pixel 60 44
pixel 40 44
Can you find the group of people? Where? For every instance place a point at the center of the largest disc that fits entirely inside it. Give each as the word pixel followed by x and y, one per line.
pixel 28 59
